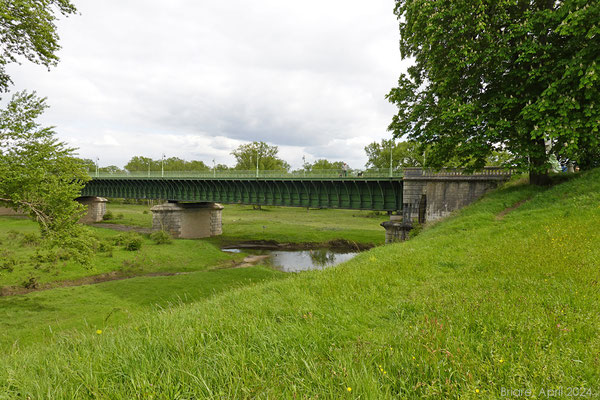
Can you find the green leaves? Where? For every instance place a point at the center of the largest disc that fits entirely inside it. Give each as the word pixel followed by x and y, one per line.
pixel 38 174
pixel 248 155
pixel 28 30
pixel 499 75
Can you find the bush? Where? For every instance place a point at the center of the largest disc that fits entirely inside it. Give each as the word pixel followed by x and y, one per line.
pixel 130 241
pixel 30 239
pixel 120 216
pixel 161 237
pixel 108 216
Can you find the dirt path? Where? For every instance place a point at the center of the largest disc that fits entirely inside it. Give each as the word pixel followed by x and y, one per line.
pixel 123 228
pixel 500 216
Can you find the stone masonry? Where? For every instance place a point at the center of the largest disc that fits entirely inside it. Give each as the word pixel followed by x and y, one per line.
pixel 96 208
pixel 188 220
pixel 429 196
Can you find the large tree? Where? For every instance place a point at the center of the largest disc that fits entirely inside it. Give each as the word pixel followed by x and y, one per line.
pixel 493 75
pixel 248 154
pixel 28 31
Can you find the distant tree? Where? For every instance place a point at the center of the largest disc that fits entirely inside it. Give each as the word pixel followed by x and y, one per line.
pixel 323 164
pixel 39 174
pixel 111 169
pixel 140 163
pixel 493 76
pixel 221 167
pixel 246 156
pixel 404 154
pixel 89 164
pixel 28 30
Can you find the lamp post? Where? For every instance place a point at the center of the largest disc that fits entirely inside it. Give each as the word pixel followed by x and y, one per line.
pixel 214 169
pixel 97 160
pixel 257 162
pixel 304 164
pixel 391 156
pixel 162 167
pixel 148 169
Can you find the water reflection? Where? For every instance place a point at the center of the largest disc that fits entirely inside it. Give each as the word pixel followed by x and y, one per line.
pixel 300 260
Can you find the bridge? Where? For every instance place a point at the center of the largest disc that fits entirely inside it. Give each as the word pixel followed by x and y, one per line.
pixel 194 199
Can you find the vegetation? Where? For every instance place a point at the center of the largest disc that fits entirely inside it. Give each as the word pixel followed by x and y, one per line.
pixel 39 174
pixel 282 224
pixel 503 295
pixel 22 256
pixel 516 76
pixel 258 155
pixel 29 31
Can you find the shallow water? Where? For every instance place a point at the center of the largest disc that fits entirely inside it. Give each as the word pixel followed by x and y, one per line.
pixel 300 260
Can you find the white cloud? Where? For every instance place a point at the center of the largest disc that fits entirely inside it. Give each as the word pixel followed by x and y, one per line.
pixel 195 79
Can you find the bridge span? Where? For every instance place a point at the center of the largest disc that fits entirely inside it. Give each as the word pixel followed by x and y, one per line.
pixel 194 199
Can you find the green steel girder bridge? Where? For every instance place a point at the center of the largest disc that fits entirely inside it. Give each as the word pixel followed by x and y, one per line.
pixel 360 190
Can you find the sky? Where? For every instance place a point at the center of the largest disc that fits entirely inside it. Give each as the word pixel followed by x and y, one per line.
pixel 194 79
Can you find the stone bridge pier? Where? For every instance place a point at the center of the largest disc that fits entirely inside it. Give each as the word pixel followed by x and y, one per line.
pixel 188 220
pixel 96 208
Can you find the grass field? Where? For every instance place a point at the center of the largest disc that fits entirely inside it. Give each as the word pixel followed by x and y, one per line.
pixel 485 302
pixel 282 224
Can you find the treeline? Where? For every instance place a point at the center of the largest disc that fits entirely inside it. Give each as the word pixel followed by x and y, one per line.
pixel 266 157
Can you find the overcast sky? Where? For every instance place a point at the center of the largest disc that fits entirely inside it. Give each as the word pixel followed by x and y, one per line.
pixel 195 79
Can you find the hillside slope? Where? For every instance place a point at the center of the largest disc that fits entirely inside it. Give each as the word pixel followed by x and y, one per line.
pixel 493 299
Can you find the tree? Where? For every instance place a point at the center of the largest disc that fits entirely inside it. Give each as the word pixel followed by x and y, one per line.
pixel 404 154
pixel 39 174
pixel 140 163
pixel 246 156
pixel 323 164
pixel 28 30
pixel 494 76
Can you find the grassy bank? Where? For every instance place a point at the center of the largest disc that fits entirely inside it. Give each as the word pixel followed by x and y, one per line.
pixel 487 301
pixel 19 241
pixel 52 315
pixel 282 224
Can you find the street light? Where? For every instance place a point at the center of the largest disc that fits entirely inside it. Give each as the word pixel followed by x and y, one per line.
pixel 97 160
pixel 257 162
pixel 304 165
pixel 162 168
pixel 391 156
pixel 214 169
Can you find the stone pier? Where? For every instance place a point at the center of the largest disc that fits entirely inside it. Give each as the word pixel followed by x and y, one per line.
pixel 396 230
pixel 188 220
pixel 96 208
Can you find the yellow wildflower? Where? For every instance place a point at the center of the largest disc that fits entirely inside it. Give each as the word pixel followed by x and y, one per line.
pixel 99 331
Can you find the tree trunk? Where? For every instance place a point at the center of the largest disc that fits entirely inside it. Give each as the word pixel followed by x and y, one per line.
pixel 538 169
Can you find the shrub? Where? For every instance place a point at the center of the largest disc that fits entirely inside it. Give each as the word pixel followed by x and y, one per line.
pixel 30 239
pixel 145 212
pixel 161 237
pixel 30 283
pixel 120 216
pixel 130 241
pixel 108 216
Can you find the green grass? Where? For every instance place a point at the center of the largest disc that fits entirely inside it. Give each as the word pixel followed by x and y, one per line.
pixel 179 256
pixel 42 317
pixel 282 224
pixel 472 305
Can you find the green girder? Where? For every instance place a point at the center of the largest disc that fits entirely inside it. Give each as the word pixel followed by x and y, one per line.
pixel 381 194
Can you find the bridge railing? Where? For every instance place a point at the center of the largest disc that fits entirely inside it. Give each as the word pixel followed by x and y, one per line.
pixel 231 174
